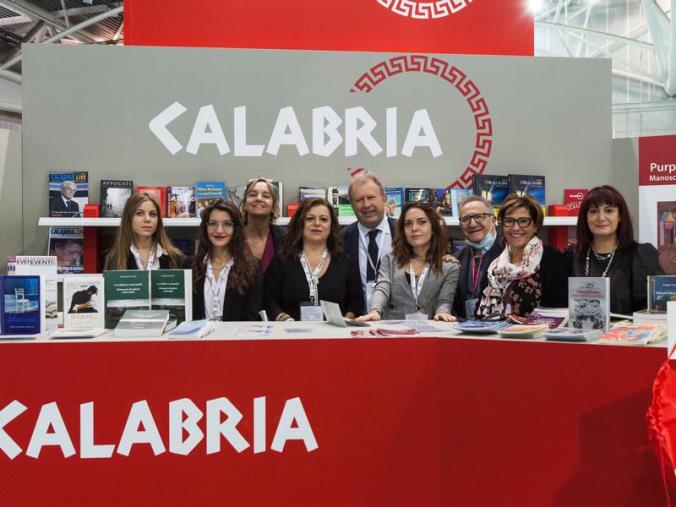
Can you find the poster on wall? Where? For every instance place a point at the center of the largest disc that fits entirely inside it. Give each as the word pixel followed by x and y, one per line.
pixel 657 197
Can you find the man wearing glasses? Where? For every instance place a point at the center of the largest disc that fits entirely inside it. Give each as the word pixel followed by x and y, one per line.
pixel 477 223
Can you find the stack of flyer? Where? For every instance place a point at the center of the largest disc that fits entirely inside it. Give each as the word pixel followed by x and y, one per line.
pixel 481 326
pixel 524 331
pixel 635 334
pixel 573 334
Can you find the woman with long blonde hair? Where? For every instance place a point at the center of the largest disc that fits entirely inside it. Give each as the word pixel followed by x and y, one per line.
pixel 141 241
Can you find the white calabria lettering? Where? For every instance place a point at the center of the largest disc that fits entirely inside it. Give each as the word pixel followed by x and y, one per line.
pixel 184 431
pixel 358 128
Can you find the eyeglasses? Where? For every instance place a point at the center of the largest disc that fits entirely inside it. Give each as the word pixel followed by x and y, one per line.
pixel 523 222
pixel 213 224
pixel 479 218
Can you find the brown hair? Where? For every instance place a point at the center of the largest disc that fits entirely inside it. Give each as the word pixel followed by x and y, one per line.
pixel 274 214
pixel 243 273
pixel 117 256
pixel 513 201
pixel 403 252
pixel 292 244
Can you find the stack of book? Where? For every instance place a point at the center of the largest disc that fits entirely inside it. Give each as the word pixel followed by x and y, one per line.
pixel 573 334
pixel 481 326
pixel 524 331
pixel 635 334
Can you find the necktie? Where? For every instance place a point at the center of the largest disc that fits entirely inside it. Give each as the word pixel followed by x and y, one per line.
pixel 373 254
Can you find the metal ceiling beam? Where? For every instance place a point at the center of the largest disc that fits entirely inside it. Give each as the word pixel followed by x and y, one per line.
pixel 589 31
pixel 36 13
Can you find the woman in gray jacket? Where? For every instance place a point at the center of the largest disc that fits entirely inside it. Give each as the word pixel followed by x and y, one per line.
pixel 414 281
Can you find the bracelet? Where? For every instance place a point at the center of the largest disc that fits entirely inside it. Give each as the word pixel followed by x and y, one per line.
pixel 283 316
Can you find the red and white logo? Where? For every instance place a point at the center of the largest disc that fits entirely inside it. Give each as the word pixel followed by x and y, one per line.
pixel 425 10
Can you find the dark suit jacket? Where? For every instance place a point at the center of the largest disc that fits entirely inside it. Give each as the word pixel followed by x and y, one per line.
pixel 464 255
pixel 165 262
pixel 56 205
pixel 350 236
pixel 236 306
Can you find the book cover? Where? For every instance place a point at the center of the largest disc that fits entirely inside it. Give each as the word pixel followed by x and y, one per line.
pixel 279 185
pixel 588 302
pixel 114 195
pixel 666 236
pixel 157 193
pixel 20 311
pixel 44 266
pixel 181 202
pixel 207 192
pixel 415 194
pixel 661 290
pixel 395 201
pixel 68 193
pixel 492 187
pixel 66 244
pixel 444 202
pixel 635 334
pixel 125 290
pixel 84 298
pixel 572 199
pixel 341 202
pixel 457 196
pixel 235 195
pixel 528 184
pixel 171 289
pixel 311 193
pixel 142 324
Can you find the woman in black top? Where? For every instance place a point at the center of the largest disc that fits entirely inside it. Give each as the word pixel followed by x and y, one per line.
pixel 606 247
pixel 226 280
pixel 312 266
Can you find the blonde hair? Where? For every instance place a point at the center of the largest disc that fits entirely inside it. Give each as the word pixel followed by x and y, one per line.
pixel 274 214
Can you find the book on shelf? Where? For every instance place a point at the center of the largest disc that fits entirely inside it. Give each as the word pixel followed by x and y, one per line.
pixel 419 194
pixel 635 334
pixel 66 244
pixel 394 201
pixel 444 202
pixel 589 302
pixel 68 193
pixel 84 302
pixel 279 185
pixel 528 184
pixel 114 195
pixel 308 192
pixel 666 236
pixel 171 289
pixel 21 305
pixel 143 324
pixel 661 290
pixel 235 195
pixel 457 196
pixel 572 199
pixel 181 202
pixel 207 192
pixel 492 187
pixel 337 196
pixel 44 266
pixel 158 193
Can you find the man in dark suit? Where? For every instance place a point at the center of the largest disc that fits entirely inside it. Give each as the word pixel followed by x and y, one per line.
pixel 63 204
pixel 369 238
pixel 477 223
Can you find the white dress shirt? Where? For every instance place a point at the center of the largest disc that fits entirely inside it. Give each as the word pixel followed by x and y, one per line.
pixel 156 258
pixel 383 240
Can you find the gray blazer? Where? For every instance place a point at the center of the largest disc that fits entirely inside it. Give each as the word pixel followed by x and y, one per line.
pixel 393 296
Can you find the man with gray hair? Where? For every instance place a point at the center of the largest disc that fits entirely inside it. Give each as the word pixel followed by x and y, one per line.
pixel 477 223
pixel 370 238
pixel 63 205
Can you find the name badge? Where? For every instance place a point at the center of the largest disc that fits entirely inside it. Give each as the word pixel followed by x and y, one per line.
pixel 370 287
pixel 470 308
pixel 417 316
pixel 309 312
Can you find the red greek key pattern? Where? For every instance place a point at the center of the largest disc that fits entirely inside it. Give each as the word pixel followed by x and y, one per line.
pixel 458 79
pixel 425 10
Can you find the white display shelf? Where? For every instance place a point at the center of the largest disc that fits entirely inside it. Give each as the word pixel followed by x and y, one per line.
pixel 194 222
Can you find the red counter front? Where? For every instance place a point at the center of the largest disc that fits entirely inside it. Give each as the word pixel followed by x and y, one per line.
pixel 396 421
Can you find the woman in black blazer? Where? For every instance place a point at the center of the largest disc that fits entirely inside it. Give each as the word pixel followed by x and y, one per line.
pixel 226 281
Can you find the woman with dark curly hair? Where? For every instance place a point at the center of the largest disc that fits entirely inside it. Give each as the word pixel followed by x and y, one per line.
pixel 606 247
pixel 226 280
pixel 312 266
pixel 414 281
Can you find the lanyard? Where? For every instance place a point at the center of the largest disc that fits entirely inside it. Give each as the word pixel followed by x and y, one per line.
pixel 313 277
pixel 416 286
pixel 151 259
pixel 476 276
pixel 217 286
pixel 379 243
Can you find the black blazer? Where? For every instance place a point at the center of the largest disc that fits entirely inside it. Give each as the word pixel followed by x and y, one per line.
pixel 56 205
pixel 553 278
pixel 165 262
pixel 236 306
pixel 278 232
pixel 464 255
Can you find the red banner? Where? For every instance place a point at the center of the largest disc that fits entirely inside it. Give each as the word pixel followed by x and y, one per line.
pixel 657 160
pixel 500 27
pixel 326 422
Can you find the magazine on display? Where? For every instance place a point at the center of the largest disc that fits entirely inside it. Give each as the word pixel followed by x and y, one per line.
pixel 171 289
pixel 525 184
pixel 157 193
pixel 68 193
pixel 661 290
pixel 589 302
pixel 84 302
pixel 635 334
pixel 181 202
pixel 44 266
pixel 207 192
pixel 20 305
pixel 492 187
pixel 394 201
pixel 114 195
pixel 66 244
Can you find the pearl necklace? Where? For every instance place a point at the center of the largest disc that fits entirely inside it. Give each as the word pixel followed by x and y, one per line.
pixel 609 256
